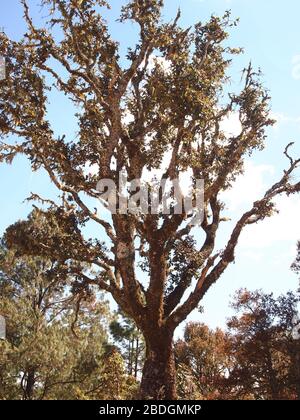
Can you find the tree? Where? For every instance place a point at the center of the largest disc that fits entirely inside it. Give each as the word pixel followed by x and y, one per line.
pixel 203 362
pixel 114 383
pixel 125 333
pixel 263 346
pixel 296 264
pixel 132 111
pixel 45 355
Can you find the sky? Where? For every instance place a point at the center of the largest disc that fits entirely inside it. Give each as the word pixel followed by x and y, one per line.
pixel 269 32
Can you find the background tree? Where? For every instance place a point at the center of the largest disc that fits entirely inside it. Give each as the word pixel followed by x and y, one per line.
pixel 203 362
pixel 296 264
pixel 263 346
pixel 114 382
pixel 175 108
pixel 126 334
pixel 45 354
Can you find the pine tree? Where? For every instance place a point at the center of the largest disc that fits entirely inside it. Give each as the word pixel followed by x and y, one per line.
pixel 127 335
pixel 46 355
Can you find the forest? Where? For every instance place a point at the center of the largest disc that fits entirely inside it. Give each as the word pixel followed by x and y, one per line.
pixel 55 349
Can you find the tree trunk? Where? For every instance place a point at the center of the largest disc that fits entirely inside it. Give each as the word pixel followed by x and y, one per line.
pixel 159 372
pixel 273 381
pixel 295 367
pixel 30 382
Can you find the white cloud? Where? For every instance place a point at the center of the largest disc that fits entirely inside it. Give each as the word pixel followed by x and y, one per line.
pixel 284 226
pixel 248 187
pixel 158 61
pixel 231 125
pixel 127 118
pixel 91 169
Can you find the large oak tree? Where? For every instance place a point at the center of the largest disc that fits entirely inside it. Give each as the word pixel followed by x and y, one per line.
pixel 131 112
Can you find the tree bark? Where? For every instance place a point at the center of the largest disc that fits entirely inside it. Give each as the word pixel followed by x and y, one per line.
pixel 273 381
pixel 30 382
pixel 159 372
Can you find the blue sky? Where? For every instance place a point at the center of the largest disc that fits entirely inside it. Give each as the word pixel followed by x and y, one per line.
pixel 269 31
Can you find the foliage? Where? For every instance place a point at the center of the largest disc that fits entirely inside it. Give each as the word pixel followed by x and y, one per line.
pixel 46 355
pixel 203 362
pixel 130 339
pixel 257 358
pixel 264 347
